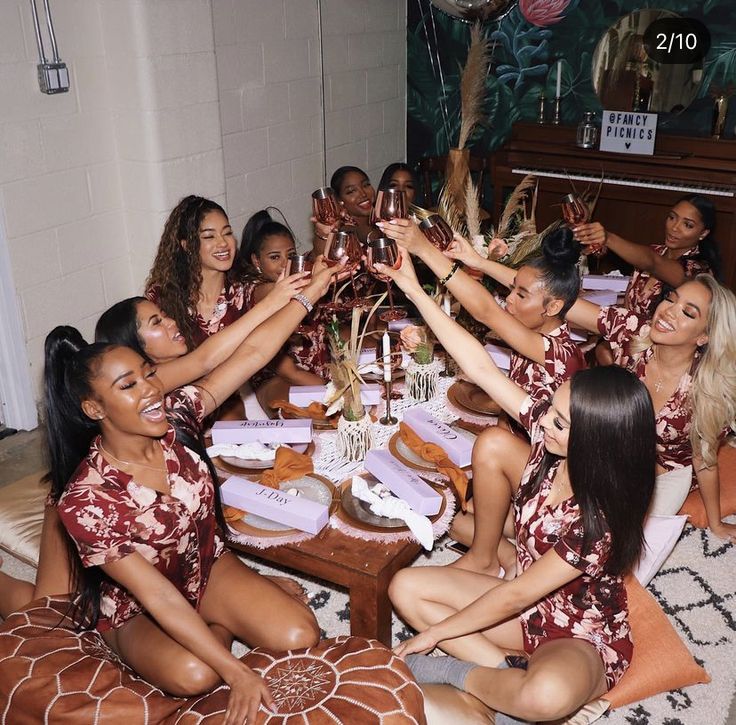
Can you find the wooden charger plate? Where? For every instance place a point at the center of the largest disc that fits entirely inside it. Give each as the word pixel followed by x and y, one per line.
pixel 243 527
pixel 472 398
pixel 224 465
pixel 403 453
pixel 357 513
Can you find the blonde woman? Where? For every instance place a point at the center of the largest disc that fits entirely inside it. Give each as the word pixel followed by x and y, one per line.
pixel 686 357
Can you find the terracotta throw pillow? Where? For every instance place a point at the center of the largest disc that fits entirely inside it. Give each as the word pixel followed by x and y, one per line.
pixel 693 506
pixel 661 661
pixel 50 673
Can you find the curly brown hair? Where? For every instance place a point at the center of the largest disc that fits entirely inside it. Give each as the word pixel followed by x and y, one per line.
pixel 176 276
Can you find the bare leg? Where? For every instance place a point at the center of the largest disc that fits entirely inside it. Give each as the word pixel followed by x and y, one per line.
pixel 428 594
pixel 563 675
pixel 499 458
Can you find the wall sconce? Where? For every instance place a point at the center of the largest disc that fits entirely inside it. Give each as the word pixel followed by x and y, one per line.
pixel 53 75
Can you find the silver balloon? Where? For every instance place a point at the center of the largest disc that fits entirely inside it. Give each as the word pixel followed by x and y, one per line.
pixel 468 11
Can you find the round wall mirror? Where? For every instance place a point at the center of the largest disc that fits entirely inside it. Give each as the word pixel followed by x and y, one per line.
pixel 627 79
pixel 469 11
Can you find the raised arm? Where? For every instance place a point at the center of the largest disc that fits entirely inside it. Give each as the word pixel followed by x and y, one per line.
pixel 584 314
pixel 462 250
pixel 547 574
pixel 467 351
pixel 165 604
pixel 641 256
pixel 264 342
pixel 220 346
pixel 472 295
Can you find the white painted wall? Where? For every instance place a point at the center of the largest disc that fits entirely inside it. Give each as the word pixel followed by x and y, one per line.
pixel 269 76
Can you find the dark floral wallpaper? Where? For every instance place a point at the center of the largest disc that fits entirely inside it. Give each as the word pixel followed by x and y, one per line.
pixel 527 44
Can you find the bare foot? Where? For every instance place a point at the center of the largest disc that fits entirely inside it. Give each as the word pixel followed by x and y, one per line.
pixel 470 562
pixel 291 586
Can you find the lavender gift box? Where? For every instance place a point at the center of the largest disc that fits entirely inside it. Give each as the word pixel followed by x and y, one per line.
pixel 459 449
pixel 602 297
pixel 303 395
pixel 605 281
pixel 403 482
pixel 295 511
pixel 262 431
pixel 500 355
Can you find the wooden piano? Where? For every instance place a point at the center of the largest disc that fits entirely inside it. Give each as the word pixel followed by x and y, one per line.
pixel 637 190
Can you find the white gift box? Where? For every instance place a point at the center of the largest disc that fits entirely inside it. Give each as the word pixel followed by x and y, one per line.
pixel 262 431
pixel 615 282
pixel 303 395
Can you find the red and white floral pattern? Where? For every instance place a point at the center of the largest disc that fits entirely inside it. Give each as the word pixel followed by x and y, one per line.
pixel 109 516
pixel 592 607
pixel 620 326
pixel 642 299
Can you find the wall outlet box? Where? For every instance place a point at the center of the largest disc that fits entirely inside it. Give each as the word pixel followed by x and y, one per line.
pixel 53 77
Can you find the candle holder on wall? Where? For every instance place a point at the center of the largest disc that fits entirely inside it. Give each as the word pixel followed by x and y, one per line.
pixel 556 111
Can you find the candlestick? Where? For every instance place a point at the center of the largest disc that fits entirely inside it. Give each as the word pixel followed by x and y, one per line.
pixel 386 358
pixel 388 419
pixel 556 111
pixel 446 308
pixel 558 88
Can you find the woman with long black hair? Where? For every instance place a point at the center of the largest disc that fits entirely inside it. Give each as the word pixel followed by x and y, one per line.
pixel 580 493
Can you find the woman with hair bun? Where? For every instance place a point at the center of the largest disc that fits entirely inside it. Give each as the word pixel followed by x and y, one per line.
pixel 580 493
pixel 263 258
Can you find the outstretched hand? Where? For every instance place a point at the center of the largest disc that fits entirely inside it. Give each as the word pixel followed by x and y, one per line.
pixel 247 691
pixel 419 644
pixel 322 275
pixel 405 276
pixel 462 250
pixel 406 233
pixel 288 286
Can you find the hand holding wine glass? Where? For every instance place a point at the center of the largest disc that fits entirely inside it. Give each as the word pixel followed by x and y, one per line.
pixel 383 251
pixel 325 208
pixel 390 204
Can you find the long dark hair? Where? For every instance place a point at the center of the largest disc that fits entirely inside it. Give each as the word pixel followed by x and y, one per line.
pixel 611 459
pixel 257 229
pixel 707 247
pixel 391 169
pixel 119 325
pixel 558 267
pixel 70 367
pixel 176 275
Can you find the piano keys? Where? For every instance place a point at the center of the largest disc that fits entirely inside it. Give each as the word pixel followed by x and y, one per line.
pixel 637 191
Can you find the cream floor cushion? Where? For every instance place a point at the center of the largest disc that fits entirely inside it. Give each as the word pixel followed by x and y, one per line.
pixel 21 517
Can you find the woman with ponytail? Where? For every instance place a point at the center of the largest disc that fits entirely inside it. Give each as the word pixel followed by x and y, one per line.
pixel 137 497
pixel 580 493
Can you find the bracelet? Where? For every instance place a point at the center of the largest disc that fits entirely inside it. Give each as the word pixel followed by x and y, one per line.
pixel 451 273
pixel 303 300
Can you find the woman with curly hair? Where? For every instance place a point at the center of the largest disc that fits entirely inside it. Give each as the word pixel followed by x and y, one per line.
pixel 192 278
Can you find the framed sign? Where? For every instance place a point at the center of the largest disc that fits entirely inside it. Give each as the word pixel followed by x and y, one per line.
pixel 628 132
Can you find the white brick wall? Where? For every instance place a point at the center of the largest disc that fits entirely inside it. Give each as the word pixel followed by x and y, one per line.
pixel 269 76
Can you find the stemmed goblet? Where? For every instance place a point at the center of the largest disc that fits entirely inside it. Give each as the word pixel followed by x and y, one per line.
pixel 382 250
pixel 575 211
pixel 390 204
pixel 437 231
pixel 324 206
pixel 343 244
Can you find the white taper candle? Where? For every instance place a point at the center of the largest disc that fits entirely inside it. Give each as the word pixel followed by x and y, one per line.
pixel 386 358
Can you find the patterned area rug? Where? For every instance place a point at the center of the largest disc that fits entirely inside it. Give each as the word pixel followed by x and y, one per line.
pixel 695 588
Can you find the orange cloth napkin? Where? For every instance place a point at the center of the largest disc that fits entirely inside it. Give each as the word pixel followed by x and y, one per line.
pixel 433 453
pixel 315 410
pixel 288 465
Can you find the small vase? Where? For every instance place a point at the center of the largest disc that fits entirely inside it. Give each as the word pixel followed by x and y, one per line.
pixel 421 380
pixel 353 438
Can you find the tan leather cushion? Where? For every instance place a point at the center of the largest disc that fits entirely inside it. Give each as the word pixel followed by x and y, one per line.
pixel 21 517
pixel 47 670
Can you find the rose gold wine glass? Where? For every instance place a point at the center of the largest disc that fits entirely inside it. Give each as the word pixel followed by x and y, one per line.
pixel 390 204
pixel 300 263
pixel 343 244
pixel 325 206
pixel 437 230
pixel 384 251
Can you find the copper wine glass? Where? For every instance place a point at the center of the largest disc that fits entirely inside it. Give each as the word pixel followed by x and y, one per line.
pixel 390 204
pixel 300 263
pixel 437 231
pixel 324 206
pixel 384 251
pixel 343 244
pixel 575 211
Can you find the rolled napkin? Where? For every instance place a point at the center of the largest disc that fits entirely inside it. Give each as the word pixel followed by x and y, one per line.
pixel 288 466
pixel 246 451
pixel 432 453
pixel 315 411
pixel 394 508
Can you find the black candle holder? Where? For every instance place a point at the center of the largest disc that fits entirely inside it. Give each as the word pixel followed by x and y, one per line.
pixel 388 419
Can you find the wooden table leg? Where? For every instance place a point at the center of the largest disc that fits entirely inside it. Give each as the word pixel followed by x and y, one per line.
pixel 370 609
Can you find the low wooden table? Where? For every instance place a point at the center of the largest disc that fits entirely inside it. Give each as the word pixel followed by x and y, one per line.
pixel 364 568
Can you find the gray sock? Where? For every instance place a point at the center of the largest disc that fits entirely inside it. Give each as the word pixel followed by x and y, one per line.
pixel 439 670
pixel 501 717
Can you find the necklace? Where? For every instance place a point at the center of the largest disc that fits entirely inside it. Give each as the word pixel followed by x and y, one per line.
pixel 131 463
pixel 658 383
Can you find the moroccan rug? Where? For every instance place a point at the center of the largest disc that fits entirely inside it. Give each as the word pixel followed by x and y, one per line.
pixel 696 588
